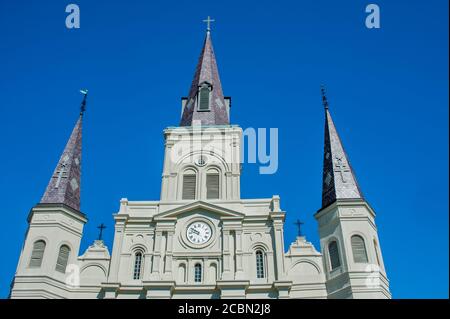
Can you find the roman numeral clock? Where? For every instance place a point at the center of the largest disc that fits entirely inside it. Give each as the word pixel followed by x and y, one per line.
pixel 198 232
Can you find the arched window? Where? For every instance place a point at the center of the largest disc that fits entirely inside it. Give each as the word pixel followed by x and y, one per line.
pixel 198 273
pixel 189 184
pixel 212 184
pixel 63 258
pixel 137 265
pixel 203 97
pixel 333 250
pixel 359 249
pixel 376 252
pixel 260 271
pixel 37 254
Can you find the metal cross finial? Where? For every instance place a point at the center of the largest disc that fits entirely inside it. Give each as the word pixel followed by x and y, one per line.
pixel 324 97
pixel 101 227
pixel 83 103
pixel 299 224
pixel 208 23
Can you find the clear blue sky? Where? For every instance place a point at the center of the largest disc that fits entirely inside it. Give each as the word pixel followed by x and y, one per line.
pixel 388 92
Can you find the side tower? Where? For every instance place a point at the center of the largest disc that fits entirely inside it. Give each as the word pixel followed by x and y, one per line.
pixel 348 235
pixel 55 228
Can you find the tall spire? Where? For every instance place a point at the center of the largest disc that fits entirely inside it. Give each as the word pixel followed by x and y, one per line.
pixel 64 185
pixel 339 181
pixel 209 107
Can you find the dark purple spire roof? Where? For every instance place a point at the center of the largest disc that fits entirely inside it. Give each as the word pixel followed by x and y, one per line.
pixel 64 185
pixel 339 181
pixel 208 72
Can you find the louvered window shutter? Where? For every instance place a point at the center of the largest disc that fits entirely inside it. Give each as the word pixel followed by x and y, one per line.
pixel 204 99
pixel 63 259
pixel 334 255
pixel 359 249
pixel 37 254
pixel 212 186
pixel 189 184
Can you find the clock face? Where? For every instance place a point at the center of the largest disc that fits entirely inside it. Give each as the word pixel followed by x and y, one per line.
pixel 198 232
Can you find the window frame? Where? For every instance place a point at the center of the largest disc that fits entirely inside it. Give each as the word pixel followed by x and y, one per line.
pixel 260 263
pixel 204 87
pixel 209 173
pixel 333 266
pixel 190 173
pixel 355 253
pixel 33 251
pixel 60 267
pixel 137 271
pixel 375 244
pixel 198 273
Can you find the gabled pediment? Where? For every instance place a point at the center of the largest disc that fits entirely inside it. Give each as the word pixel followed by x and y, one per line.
pixel 222 212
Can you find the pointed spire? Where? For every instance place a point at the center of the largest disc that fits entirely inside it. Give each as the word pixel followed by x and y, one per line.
pixel 206 76
pixel 64 185
pixel 339 181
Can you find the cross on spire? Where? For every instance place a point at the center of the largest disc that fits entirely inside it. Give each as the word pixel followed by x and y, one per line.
pixel 101 227
pixel 341 168
pixel 299 224
pixel 62 171
pixel 83 103
pixel 208 23
pixel 324 97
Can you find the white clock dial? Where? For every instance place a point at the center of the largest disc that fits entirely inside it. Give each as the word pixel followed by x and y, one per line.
pixel 198 232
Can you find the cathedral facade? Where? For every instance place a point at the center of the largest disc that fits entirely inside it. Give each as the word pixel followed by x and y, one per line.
pixel 201 239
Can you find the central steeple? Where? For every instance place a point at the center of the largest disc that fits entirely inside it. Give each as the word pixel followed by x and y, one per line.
pixel 205 103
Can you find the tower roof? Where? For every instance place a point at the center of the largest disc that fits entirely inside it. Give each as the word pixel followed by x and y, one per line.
pixel 64 185
pixel 339 180
pixel 206 74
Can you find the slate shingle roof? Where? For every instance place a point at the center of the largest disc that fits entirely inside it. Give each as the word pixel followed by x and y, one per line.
pixel 339 181
pixel 64 185
pixel 206 71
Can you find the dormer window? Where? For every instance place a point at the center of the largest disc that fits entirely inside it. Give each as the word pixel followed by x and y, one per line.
pixel 204 96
